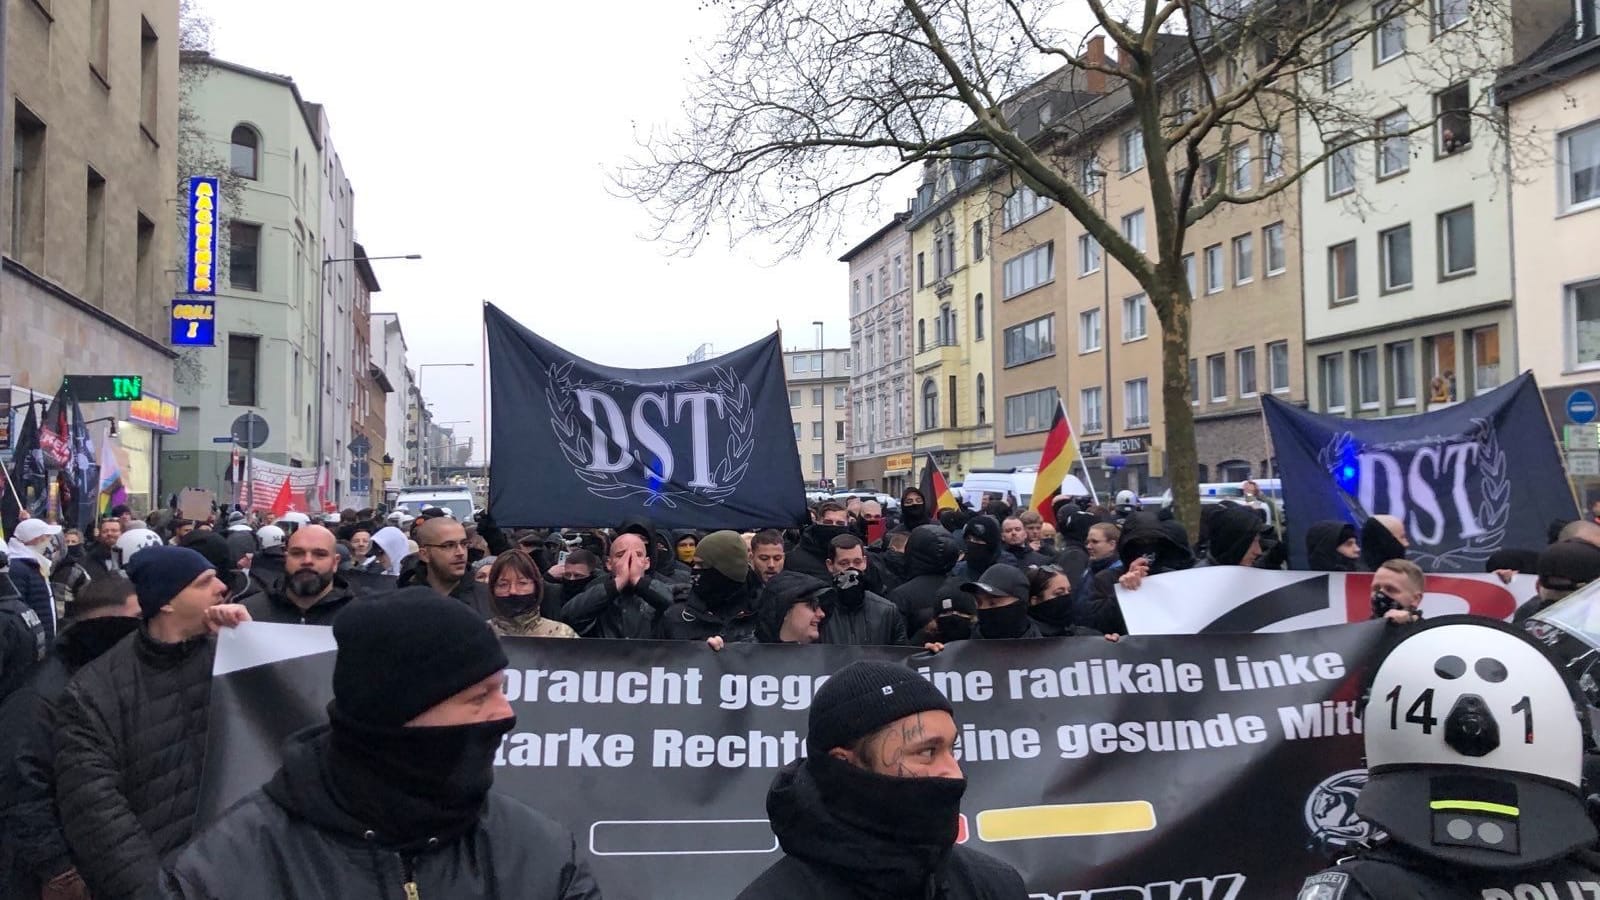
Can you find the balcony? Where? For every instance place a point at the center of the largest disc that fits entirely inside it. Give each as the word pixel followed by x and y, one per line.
pixel 945 352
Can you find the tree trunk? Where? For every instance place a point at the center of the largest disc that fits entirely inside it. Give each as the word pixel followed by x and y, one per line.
pixel 1182 458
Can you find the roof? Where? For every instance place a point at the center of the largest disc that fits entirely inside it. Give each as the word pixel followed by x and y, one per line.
pixel 204 58
pixel 1562 57
pixel 364 270
pixel 897 221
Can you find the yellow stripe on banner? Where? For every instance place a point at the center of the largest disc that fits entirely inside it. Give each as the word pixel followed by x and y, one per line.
pixel 1476 806
pixel 1027 823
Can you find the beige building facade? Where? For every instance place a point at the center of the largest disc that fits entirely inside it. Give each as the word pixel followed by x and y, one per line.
pixel 879 455
pixel 819 393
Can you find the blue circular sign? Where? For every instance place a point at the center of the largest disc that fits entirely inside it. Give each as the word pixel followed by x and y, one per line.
pixel 1581 407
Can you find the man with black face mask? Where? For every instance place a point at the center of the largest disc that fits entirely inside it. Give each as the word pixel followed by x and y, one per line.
pixel 913 509
pixel 719 602
pixel 872 811
pixel 1002 598
pixel 856 615
pixel 310 593
pixel 981 540
pixel 392 797
pixel 808 556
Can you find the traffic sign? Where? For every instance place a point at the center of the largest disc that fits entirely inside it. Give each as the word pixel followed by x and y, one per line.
pixel 1583 462
pixel 360 445
pixel 1581 437
pixel 225 439
pixel 249 431
pixel 106 388
pixel 1581 407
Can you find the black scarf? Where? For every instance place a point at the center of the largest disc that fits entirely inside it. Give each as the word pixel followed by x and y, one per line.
pixel 979 558
pixel 717 591
pixel 517 605
pixel 887 837
pixel 912 515
pixel 1055 612
pixel 1009 621
pixel 849 590
pixel 412 784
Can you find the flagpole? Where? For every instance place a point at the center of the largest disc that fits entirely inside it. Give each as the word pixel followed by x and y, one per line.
pixel 1077 448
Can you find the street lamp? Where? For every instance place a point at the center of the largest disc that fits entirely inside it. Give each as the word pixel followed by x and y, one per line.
pixel 822 474
pixel 422 472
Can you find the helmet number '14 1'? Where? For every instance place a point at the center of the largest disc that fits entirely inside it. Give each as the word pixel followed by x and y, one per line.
pixel 1420 712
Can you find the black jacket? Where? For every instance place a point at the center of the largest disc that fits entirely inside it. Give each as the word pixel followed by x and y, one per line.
pixel 35 591
pixel 1378 545
pixel 1022 556
pixel 1322 546
pixel 826 858
pixel 807 555
pixel 291 839
pixel 604 612
pixel 131 744
pixel 1094 602
pixel 97 560
pixel 466 588
pixel 689 619
pixel 278 608
pixel 1391 872
pixel 32 848
pixel 874 621
pixel 931 552
pixel 23 644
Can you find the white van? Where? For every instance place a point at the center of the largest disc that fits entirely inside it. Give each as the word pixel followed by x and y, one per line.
pixel 1017 482
pixel 454 499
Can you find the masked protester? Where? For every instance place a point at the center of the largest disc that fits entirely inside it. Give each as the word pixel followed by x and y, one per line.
pixel 872 812
pixel 29 552
pixel 311 592
pixel 931 552
pixel 1231 534
pixel 790 609
pixel 857 615
pixel 809 555
pixel 516 595
pixel 913 510
pixel 953 618
pixel 720 601
pixel 392 797
pixel 1563 567
pixel 1331 546
pixel 981 547
pixel 1002 597
pixel 1485 801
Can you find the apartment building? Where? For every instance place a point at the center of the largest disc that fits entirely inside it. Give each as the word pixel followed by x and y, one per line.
pixel 879 453
pixel 819 391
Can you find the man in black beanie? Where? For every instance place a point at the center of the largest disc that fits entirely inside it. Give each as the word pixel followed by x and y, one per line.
pixel 872 812
pixel 392 797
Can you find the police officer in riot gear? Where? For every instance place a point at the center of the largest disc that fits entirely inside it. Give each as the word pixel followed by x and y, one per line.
pixel 1475 749
pixel 23 639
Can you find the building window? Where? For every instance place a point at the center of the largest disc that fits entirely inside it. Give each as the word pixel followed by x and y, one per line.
pixel 1190 276
pixel 816 431
pixel 921 272
pixel 1132 150
pixel 1022 205
pixel 244 154
pixel 799 364
pixel 1134 325
pixel 951 399
pixel 1394 153
pixel 1453 127
pixel 27 188
pixel 899 274
pixel 1450 13
pixel 1217 373
pixel 1030 341
pixel 243 362
pixel 816 396
pixel 794 402
pixel 1032 412
pixel 930 404
pixel 1210 175
pixel 1271 156
pixel 1245 363
pixel 1090 176
pixel 149 78
pixel 1341 168
pixel 855 296
pixel 1185 104
pixel 1485 362
pixel 1214 274
pixel 1579 168
pixel 1028 270
pixel 1088 255
pixel 144 258
pixel 1089 331
pixel 946 326
pixel 1133 229
pixel 1194 381
pixel 99 37
pixel 1367 377
pixel 1244 259
pixel 922 335
pixel 939 268
pixel 1278 367
pixel 1583 324
pixel 1439 367
pixel 1277 258
pixel 94 239
pixel 977 318
pixel 838 465
pixel 1136 403
pixel 1394 258
pixel 1391 42
pixel 1402 374
pixel 1339 61
pixel 1331 369
pixel 1458 253
pixel 977 241
pixel 1342 273
pixel 839 396
pixel 983 411
pixel 871 298
pixel 1089 410
pixel 244 256
pixel 816 463
pixel 1243 170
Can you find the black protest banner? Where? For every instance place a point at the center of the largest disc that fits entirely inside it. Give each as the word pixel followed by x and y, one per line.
pixel 1466 480
pixel 1099 770
pixel 576 444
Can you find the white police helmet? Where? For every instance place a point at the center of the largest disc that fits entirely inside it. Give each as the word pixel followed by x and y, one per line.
pixel 270 536
pixel 1475 747
pixel 1127 498
pixel 131 542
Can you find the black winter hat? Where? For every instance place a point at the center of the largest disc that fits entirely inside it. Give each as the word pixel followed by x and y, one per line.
pixel 403 652
pixel 1564 565
pixel 862 698
pixel 161 573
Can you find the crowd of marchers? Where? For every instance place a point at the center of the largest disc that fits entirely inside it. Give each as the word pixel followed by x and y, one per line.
pixel 107 642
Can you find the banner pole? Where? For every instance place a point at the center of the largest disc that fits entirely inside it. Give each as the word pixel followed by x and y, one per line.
pixel 483 314
pixel 1561 446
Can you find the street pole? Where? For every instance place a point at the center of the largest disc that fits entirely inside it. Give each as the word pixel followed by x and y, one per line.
pixel 250 459
pixel 822 379
pixel 1105 319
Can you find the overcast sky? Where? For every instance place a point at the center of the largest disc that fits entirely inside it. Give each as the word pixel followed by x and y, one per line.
pixel 481 136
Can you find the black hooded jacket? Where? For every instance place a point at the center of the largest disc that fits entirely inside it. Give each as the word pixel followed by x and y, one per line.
pixel 1143 533
pixel 931 552
pixel 1322 546
pixel 827 858
pixel 292 839
pixel 602 611
pixel 1231 531
pixel 1378 545
pixel 690 619
pixel 777 597
pixel 808 554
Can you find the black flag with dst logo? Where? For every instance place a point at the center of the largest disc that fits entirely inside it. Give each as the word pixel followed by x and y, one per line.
pixel 1466 480
pixel 576 444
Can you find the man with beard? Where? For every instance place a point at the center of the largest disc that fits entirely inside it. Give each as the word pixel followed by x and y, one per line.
pixel 392 797
pixel 855 615
pixel 1014 544
pixel 309 594
pixel 931 552
pixel 720 601
pixel 872 811
pixel 105 612
pixel 766 554
pixel 628 600
pixel 981 541
pixel 97 557
pixel 808 556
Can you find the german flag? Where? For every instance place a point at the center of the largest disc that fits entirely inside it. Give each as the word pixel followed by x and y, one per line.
pixel 935 490
pixel 1055 463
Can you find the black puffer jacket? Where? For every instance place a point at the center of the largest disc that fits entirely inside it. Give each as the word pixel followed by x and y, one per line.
pixel 689 619
pixel 291 839
pixel 602 611
pixel 131 743
pixel 32 848
pixel 931 552
pixel 276 606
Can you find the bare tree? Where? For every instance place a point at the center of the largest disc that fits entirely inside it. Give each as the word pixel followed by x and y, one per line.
pixel 806 108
